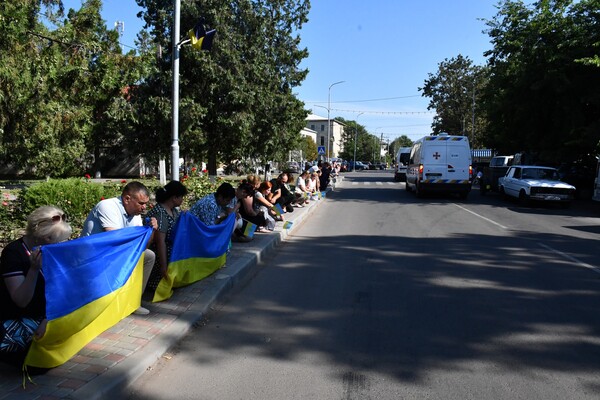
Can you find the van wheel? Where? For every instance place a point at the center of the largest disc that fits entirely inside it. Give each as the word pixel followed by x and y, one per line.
pixel 418 190
pixel 407 186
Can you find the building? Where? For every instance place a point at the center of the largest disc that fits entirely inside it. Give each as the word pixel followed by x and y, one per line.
pixel 319 125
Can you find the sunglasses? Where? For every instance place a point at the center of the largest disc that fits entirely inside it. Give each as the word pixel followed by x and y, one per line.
pixel 57 218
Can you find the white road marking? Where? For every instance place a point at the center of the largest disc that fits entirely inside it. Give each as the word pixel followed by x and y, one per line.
pixel 379 183
pixel 481 216
pixel 570 258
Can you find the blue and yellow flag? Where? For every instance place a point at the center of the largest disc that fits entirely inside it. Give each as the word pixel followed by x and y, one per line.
pixel 287 224
pixel 91 284
pixel 198 251
pixel 248 228
pixel 278 209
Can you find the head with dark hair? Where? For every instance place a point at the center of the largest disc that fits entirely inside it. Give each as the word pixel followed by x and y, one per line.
pixel 224 194
pixel 171 189
pixel 135 197
pixel 244 189
pixel 290 176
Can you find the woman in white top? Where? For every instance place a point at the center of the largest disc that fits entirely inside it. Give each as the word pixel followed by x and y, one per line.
pixel 301 190
pixel 312 184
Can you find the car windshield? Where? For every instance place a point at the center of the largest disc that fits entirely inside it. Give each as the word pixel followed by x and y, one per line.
pixel 540 173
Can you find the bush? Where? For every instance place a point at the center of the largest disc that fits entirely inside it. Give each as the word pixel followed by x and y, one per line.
pixel 77 196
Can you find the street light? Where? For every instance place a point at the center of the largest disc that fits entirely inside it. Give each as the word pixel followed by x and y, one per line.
pixel 175 95
pixel 328 119
pixel 355 140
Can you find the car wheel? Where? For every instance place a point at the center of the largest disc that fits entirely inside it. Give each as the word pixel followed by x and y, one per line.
pixel 523 198
pixel 502 192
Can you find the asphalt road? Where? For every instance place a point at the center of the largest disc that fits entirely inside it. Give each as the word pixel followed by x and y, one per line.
pixel 381 295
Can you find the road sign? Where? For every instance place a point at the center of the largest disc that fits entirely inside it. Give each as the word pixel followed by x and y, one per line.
pixel 321 149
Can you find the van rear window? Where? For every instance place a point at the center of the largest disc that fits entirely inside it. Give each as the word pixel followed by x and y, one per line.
pixel 404 157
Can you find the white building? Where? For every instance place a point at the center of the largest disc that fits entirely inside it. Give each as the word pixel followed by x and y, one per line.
pixel 318 124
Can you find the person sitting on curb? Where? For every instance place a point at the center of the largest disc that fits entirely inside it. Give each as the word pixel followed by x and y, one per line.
pixel 213 209
pixel 244 194
pixel 122 212
pixel 301 190
pixel 324 178
pixel 281 193
pixel 312 186
pixel 22 288
pixel 166 212
pixel 264 206
pixel 247 210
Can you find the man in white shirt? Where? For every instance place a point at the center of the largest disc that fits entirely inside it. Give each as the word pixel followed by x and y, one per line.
pixel 122 212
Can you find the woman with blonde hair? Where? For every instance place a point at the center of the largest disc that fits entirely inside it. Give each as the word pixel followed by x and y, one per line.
pixel 22 287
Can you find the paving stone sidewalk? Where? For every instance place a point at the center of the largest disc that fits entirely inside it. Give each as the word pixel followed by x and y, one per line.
pixel 108 364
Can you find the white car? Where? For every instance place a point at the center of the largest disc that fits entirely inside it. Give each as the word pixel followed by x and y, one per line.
pixel 532 182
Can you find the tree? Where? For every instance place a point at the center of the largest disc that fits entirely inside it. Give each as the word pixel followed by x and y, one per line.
pixel 236 100
pixel 399 142
pixel 454 92
pixel 58 86
pixel 544 93
pixel 308 148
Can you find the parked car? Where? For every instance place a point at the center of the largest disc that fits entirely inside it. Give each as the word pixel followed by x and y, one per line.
pixel 526 183
pixel 293 166
pixel 359 166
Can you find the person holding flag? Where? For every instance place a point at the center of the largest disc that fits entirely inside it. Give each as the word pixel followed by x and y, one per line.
pixel 122 212
pixel 22 288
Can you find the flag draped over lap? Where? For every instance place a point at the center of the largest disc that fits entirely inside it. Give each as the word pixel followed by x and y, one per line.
pixel 198 251
pixel 91 284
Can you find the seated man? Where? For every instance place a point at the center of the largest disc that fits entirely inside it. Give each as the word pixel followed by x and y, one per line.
pixel 214 208
pixel 122 212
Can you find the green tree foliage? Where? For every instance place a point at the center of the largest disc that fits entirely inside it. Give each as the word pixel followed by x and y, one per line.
pixel 309 148
pixel 544 89
pixel 58 86
pixel 236 100
pixel 367 145
pixel 399 142
pixel 454 91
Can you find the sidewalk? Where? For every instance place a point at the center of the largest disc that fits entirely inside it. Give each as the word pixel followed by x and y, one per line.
pixel 108 364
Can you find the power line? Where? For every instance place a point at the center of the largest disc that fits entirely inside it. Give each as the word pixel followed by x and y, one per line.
pixel 380 99
pixel 386 112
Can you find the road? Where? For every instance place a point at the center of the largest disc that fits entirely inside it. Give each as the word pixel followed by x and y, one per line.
pixel 381 295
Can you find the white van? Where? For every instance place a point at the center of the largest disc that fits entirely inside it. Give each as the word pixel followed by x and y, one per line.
pixel 440 163
pixel 402 157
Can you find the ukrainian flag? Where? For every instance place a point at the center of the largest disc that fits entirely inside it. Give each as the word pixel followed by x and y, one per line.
pixel 198 251
pixel 91 284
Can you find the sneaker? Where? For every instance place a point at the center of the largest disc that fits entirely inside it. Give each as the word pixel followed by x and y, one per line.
pixel 299 205
pixel 141 311
pixel 289 208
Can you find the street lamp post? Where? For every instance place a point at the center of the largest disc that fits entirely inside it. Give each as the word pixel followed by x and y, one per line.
pixel 328 118
pixel 355 140
pixel 175 94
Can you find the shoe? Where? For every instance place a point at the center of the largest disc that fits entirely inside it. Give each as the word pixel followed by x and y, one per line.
pixel 141 311
pixel 299 206
pixel 289 208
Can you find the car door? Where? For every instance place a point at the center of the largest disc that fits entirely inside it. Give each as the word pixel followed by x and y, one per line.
pixel 512 181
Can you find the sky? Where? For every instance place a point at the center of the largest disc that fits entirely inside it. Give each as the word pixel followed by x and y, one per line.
pixel 382 50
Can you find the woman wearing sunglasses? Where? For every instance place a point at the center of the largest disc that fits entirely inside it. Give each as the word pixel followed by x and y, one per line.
pixel 22 285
